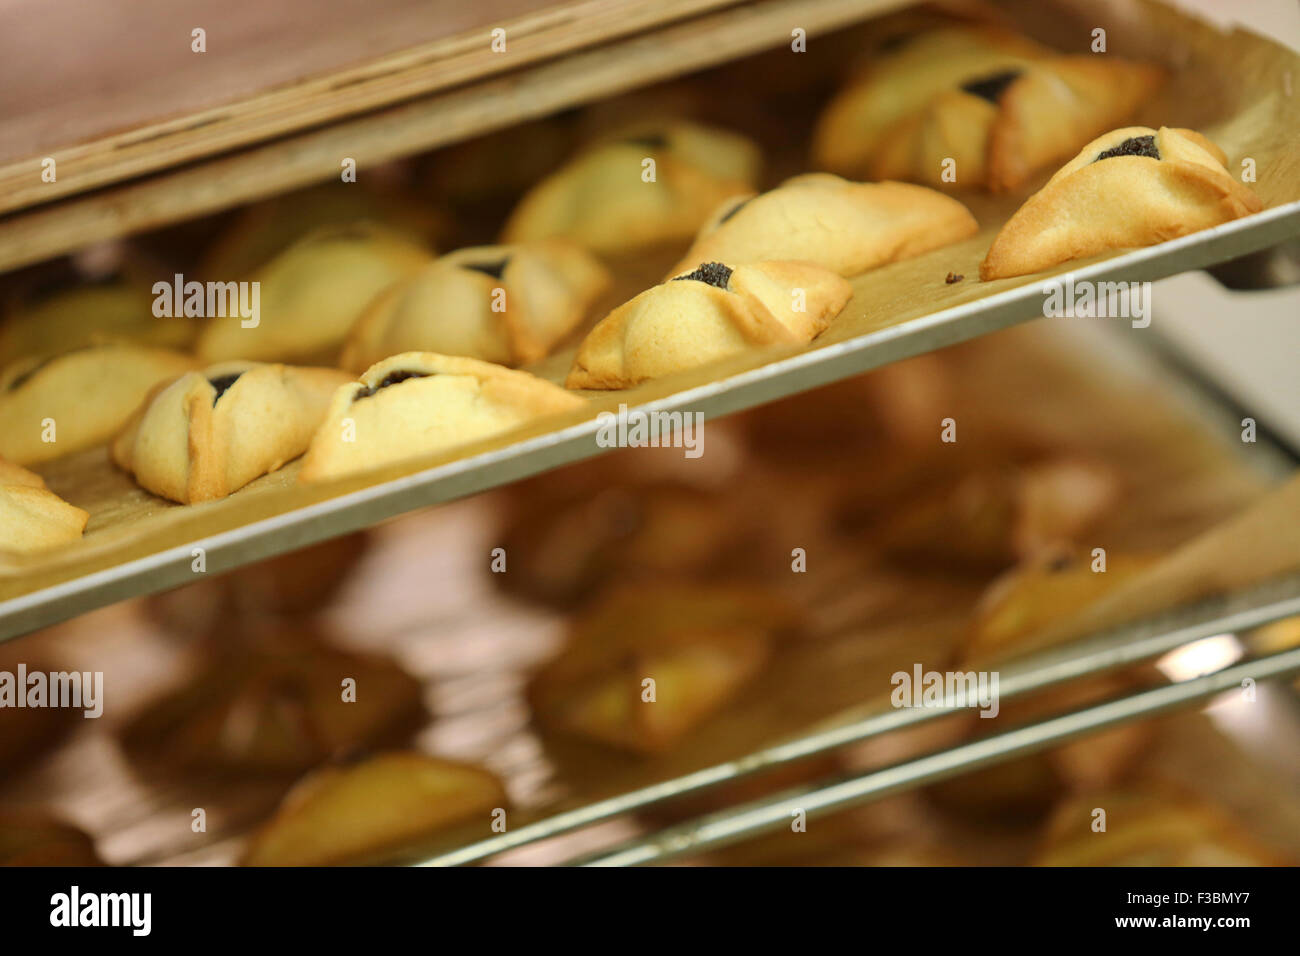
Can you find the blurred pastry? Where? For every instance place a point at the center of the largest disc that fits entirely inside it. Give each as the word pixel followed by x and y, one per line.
pixel 500 165
pixel 830 222
pixel 992 517
pixel 1047 588
pixel 902 80
pixel 1128 188
pixel 297 584
pixel 899 406
pixel 418 403
pixel 372 811
pixel 56 406
pixel 707 313
pixel 276 710
pixel 311 294
pixel 119 310
pixel 698 645
pixel 605 200
pixel 505 304
pixel 33 838
pixel 263 230
pixel 1149 825
pixel 563 549
pixel 1028 787
pixel 209 433
pixel 33 518
pixel 1005 112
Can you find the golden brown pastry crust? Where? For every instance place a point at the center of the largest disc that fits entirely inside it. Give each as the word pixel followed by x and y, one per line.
pixel 33 518
pixel 827 221
pixel 853 128
pixel 192 443
pixel 370 811
pixel 1025 120
pixel 312 293
pixel 505 304
pixel 700 645
pixel 686 322
pixel 600 200
pixel 87 394
pixel 94 314
pixel 1095 205
pixel 418 403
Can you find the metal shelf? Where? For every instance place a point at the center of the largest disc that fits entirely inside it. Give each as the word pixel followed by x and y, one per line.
pixel 1108 651
pixel 298 527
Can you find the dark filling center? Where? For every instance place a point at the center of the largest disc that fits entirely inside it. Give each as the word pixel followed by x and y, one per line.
pixel 221 383
pixel 714 273
pixel 735 209
pixel 493 269
pixel 649 141
pixel 896 42
pixel 1133 146
pixel 392 378
pixel 990 87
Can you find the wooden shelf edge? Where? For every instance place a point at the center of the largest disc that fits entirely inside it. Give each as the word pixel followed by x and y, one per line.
pixel 399 131
pixel 317 100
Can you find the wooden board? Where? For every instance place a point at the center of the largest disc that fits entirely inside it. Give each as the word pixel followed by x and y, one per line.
pixel 399 131
pixel 137 98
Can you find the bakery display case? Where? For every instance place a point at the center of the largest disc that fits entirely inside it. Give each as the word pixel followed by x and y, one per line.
pixel 604 432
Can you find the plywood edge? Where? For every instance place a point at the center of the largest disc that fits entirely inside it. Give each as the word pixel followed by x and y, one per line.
pixel 317 100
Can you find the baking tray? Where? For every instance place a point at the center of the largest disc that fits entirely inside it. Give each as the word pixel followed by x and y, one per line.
pixel 1231 85
pixel 422 594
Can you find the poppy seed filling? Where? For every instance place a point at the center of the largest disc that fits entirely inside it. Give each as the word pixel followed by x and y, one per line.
pixel 221 383
pixel 392 378
pixel 713 273
pixel 1133 146
pixel 493 269
pixel 990 88
pixel 649 141
pixel 735 209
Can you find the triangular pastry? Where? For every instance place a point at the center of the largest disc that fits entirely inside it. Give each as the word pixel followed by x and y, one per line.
pixel 264 229
pixel 503 304
pixel 209 433
pixel 604 200
pixel 1002 126
pixel 312 293
pixel 368 811
pixel 95 313
pixel 828 221
pixel 704 314
pixel 700 645
pixel 33 518
pixel 55 406
pixel 275 710
pixel 418 403
pixel 853 127
pixel 1129 188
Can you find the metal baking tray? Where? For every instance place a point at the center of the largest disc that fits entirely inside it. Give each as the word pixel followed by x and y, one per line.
pixel 898 311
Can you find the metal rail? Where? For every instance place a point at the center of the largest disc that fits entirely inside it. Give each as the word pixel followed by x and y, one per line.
pixel 1107 651
pixel 733 825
